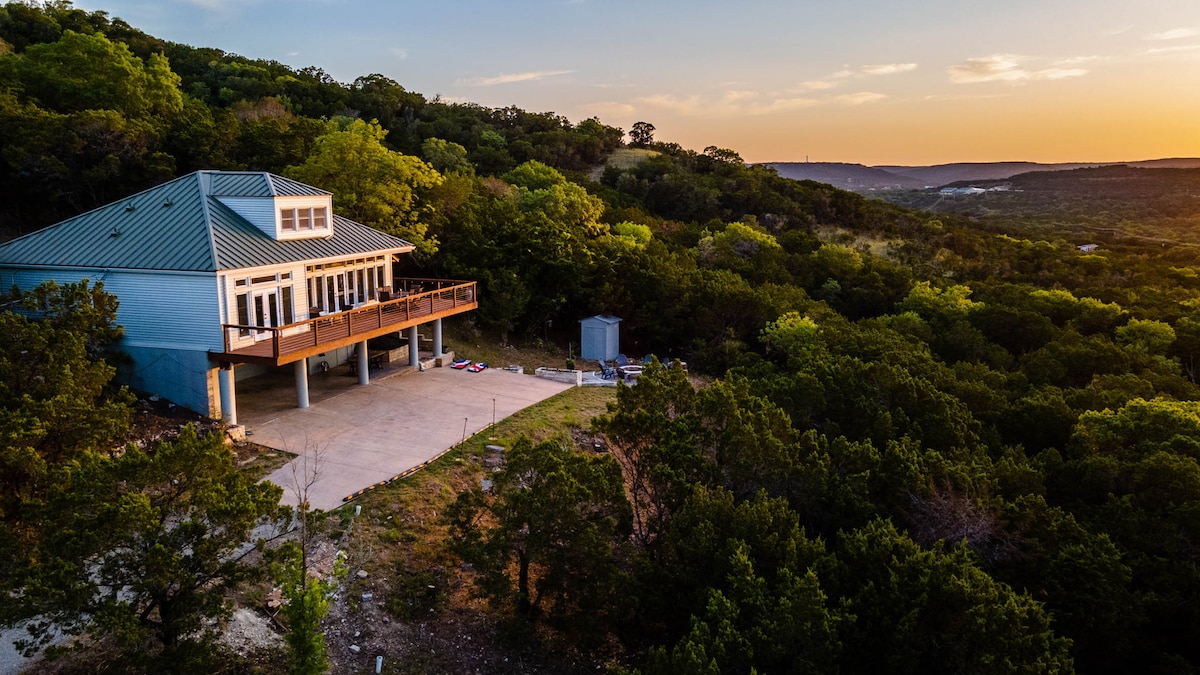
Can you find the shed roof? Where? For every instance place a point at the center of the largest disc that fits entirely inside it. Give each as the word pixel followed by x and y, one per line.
pixel 182 226
pixel 601 318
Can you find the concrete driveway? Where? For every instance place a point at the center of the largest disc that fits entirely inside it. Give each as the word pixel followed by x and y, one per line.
pixel 360 435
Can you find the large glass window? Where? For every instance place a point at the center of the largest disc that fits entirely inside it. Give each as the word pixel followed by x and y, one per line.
pixel 264 301
pixel 335 287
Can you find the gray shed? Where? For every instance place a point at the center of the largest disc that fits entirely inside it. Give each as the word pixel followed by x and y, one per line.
pixel 600 337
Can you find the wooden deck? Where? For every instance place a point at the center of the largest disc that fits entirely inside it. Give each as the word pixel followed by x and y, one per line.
pixel 295 341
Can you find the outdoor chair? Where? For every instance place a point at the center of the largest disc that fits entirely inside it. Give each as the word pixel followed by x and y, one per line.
pixel 607 372
pixel 622 361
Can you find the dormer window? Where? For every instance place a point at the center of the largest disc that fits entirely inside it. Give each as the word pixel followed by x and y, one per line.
pixel 304 219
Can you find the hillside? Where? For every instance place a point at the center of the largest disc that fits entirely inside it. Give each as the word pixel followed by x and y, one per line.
pixel 860 178
pixel 1153 204
pixel 855 177
pixel 921 437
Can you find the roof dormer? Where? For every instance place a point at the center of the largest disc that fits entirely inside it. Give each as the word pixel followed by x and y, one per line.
pixel 303 217
pixel 282 208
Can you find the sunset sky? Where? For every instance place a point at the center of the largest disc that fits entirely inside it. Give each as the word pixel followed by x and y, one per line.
pixel 869 81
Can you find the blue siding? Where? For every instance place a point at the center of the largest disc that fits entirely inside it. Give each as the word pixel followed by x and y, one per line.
pixel 259 211
pixel 161 309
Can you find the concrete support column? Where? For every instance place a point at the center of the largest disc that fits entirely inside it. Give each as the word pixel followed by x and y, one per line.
pixel 437 338
pixel 363 376
pixel 414 359
pixel 301 369
pixel 228 394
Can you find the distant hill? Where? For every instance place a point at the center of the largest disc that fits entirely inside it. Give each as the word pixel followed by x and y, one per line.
pixel 860 178
pixel 847 176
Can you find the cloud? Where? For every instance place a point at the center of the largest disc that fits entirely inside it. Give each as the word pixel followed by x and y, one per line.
pixel 780 105
pixel 860 98
pixel 888 68
pixel 1174 34
pixel 732 104
pixel 1009 68
pixel 214 5
pixel 613 108
pixel 683 106
pixel 1117 31
pixel 816 85
pixel 1173 49
pixel 510 78
pixel 734 95
pixel 398 52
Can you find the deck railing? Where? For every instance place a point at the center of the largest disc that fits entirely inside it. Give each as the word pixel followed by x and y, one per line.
pixel 419 298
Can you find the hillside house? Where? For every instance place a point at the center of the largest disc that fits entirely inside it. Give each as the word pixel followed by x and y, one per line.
pixel 221 275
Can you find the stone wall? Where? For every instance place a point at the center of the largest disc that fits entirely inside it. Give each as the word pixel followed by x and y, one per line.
pixel 574 377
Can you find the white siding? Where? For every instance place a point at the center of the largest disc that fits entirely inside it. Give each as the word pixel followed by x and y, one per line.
pixel 260 211
pixel 229 291
pixel 325 201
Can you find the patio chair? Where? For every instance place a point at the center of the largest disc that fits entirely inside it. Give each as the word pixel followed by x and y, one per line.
pixel 607 372
pixel 622 361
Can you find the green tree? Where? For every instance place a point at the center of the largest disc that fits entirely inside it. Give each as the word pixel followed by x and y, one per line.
pixel 549 542
pixel 56 406
pixel 446 157
pixel 372 184
pixel 935 611
pixel 642 134
pixel 141 548
pixel 89 72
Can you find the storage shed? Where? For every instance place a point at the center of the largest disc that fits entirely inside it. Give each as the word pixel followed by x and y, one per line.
pixel 600 337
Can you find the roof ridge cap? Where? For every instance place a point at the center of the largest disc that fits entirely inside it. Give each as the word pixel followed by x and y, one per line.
pixel 202 188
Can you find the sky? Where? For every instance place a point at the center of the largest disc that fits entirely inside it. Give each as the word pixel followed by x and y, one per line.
pixel 863 81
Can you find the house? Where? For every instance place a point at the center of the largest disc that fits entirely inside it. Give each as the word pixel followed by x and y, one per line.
pixel 956 191
pixel 1088 248
pixel 221 275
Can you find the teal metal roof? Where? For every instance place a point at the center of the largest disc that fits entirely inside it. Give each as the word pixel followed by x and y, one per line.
pixel 180 225
pixel 258 184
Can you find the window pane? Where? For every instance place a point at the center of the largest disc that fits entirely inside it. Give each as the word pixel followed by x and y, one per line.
pixel 273 309
pixel 288 218
pixel 319 218
pixel 243 314
pixel 305 218
pixel 286 301
pixel 362 288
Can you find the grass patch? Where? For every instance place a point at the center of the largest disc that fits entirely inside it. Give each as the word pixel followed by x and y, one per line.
pixel 402 518
pixel 627 158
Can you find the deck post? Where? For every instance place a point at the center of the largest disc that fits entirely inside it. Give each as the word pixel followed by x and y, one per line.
pixel 228 395
pixel 414 359
pixel 301 369
pixel 437 338
pixel 363 376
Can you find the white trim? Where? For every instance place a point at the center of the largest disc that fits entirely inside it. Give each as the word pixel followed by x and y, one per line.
pixel 303 202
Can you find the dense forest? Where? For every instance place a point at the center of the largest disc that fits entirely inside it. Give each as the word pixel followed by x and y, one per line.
pixel 920 442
